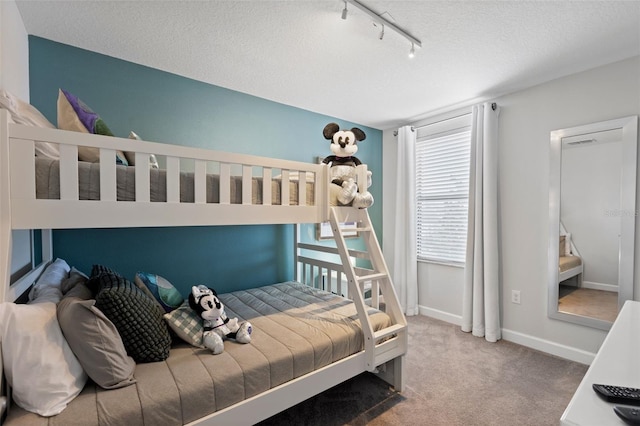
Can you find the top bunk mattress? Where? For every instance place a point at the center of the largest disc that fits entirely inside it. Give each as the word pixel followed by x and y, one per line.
pixel 48 185
pixel 296 330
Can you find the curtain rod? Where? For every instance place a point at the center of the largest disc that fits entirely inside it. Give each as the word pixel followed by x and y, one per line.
pixel 414 128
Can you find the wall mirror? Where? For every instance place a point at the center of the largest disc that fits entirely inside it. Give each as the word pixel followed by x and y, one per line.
pixel 592 218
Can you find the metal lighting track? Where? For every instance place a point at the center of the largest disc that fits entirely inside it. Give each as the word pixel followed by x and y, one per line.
pixel 384 22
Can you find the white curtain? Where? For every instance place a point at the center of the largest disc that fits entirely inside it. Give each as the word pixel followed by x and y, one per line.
pixel 481 297
pixel 405 259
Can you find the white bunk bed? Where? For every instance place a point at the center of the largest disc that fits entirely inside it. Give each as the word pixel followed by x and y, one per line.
pixel 570 263
pixel 383 349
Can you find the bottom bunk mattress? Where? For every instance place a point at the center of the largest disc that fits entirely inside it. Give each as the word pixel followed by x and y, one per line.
pixel 296 330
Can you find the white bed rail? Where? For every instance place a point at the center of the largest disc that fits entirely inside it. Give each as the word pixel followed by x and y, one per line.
pixel 17 149
pixel 576 270
pixel 320 267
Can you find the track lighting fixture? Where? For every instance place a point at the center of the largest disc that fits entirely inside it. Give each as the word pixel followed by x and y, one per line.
pixel 377 18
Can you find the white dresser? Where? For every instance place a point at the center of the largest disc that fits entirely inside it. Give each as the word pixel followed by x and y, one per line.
pixel 616 363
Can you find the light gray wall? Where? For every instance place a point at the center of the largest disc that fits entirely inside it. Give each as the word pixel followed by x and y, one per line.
pixel 14 77
pixel 526 119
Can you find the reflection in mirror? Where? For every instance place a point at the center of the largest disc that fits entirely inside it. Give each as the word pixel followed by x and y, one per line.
pixel 592 221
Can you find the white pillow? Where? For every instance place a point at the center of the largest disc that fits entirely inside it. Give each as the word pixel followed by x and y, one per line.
pixel 47 287
pixel 26 114
pixel 40 367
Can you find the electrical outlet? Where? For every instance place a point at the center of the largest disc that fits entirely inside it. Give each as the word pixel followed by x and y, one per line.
pixel 515 296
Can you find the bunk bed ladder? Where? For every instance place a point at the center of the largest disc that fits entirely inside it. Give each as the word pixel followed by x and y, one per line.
pixel 389 343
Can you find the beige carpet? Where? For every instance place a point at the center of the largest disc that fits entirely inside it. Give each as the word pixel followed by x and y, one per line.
pixel 453 378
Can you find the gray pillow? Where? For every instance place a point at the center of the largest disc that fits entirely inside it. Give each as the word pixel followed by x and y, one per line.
pixel 94 339
pixel 69 284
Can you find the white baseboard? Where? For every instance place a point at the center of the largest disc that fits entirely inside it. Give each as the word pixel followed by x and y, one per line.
pixel 552 348
pixel 440 315
pixel 547 346
pixel 599 286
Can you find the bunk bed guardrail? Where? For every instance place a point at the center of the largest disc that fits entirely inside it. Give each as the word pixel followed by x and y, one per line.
pixel 28 212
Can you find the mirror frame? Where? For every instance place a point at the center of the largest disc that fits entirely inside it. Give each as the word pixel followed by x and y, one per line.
pixel 629 126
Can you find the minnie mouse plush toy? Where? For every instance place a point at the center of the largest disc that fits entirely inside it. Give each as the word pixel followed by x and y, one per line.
pixel 217 326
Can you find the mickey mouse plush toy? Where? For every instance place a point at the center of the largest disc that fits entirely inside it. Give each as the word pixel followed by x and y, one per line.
pixel 344 190
pixel 217 326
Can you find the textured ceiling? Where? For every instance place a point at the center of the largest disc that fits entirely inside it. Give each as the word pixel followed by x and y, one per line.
pixel 301 53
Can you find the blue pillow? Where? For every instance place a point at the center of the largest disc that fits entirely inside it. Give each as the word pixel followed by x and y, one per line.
pixel 160 290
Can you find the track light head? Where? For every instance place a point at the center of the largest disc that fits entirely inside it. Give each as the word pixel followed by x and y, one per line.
pixel 380 19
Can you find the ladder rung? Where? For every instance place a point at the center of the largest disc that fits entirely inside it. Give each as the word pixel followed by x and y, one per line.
pixel 367 229
pixel 372 277
pixel 388 331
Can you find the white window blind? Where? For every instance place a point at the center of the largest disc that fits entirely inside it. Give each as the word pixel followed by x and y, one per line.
pixel 442 191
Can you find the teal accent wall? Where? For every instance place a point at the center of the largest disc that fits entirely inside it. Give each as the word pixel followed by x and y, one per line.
pixel 164 107
pixel 224 257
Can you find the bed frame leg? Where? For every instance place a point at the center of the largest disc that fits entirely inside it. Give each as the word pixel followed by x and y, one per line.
pixel 392 372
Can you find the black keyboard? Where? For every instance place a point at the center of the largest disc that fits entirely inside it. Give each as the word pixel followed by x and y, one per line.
pixel 618 394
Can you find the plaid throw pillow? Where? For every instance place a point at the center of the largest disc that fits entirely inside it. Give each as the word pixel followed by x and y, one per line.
pixel 186 323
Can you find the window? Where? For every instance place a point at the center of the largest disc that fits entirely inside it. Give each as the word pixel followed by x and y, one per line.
pixel 442 190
